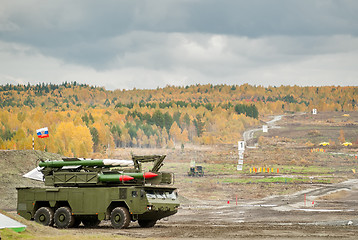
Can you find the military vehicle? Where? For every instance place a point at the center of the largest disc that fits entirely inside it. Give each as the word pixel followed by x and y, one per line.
pixel 89 191
pixel 196 171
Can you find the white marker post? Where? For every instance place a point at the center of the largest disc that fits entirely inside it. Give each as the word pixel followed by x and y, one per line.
pixel 265 128
pixel 241 148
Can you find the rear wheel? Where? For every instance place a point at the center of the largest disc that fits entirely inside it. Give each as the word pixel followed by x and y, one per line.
pixel 64 218
pixel 120 217
pixel 44 216
pixel 147 223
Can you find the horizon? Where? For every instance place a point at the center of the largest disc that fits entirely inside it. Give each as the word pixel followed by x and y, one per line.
pixel 74 83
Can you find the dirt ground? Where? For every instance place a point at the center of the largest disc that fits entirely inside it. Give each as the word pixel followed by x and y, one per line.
pixel 330 212
pixel 313 196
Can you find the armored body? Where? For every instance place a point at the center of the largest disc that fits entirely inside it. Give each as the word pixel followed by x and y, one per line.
pixel 89 191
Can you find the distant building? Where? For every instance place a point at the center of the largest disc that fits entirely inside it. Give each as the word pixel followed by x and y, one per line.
pixel 314 111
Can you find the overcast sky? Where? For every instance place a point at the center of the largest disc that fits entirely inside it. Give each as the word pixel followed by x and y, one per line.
pixel 150 44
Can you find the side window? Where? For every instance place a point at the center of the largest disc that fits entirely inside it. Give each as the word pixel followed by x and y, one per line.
pixel 151 194
pixel 134 194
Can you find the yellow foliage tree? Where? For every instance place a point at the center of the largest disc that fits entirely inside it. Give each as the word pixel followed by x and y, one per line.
pixel 77 139
pixel 184 136
pixel 341 137
pixel 175 132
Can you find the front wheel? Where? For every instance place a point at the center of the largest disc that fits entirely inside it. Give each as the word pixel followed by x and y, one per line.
pixel 147 223
pixel 64 217
pixel 44 216
pixel 120 217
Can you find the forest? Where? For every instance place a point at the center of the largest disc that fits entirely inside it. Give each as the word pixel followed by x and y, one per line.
pixel 86 120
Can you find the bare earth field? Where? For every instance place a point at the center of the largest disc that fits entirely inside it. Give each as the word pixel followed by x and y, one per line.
pixel 313 195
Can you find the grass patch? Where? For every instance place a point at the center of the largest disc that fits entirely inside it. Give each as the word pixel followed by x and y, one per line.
pixel 26 235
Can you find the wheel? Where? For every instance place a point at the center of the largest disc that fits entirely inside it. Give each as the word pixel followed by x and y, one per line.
pixel 44 216
pixel 91 221
pixel 64 218
pixel 120 217
pixel 147 223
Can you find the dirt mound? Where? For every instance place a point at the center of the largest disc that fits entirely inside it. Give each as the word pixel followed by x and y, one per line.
pixel 13 164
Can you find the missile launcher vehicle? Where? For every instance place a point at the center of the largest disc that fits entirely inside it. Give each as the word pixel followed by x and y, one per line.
pixel 89 191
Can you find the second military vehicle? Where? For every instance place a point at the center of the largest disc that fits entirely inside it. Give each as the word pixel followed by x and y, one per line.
pixel 195 170
pixel 89 191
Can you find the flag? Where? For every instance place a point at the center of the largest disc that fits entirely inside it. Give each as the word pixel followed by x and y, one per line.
pixel 42 132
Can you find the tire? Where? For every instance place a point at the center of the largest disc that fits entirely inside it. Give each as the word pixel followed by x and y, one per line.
pixel 147 223
pixel 44 216
pixel 120 217
pixel 91 222
pixel 64 218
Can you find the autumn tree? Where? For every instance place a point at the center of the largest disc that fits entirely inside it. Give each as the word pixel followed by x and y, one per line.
pixel 341 137
pixel 175 133
pixel 77 140
pixel 95 138
pixel 199 124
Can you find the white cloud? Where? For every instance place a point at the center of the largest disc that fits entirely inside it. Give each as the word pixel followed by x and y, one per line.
pixel 145 44
pixel 149 60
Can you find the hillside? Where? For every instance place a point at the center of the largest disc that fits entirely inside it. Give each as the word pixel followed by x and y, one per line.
pixel 270 199
pixel 13 165
pixel 88 121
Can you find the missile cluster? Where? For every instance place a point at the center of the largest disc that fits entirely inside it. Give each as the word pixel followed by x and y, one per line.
pixel 87 163
pixel 101 172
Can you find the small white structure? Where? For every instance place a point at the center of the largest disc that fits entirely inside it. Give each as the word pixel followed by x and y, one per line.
pixel 239 167
pixel 265 128
pixel 314 111
pixel 6 222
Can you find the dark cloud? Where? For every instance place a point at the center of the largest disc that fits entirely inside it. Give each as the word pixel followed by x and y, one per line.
pixel 180 40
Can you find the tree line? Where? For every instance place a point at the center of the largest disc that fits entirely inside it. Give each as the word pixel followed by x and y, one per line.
pixel 84 120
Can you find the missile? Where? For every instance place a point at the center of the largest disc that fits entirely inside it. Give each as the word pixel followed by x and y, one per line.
pixel 146 175
pixel 114 178
pixel 87 163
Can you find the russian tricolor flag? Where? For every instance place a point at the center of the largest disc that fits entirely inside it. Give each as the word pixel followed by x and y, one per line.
pixel 42 132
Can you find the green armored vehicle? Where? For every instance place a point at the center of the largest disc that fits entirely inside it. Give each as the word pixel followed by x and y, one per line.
pixel 89 191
